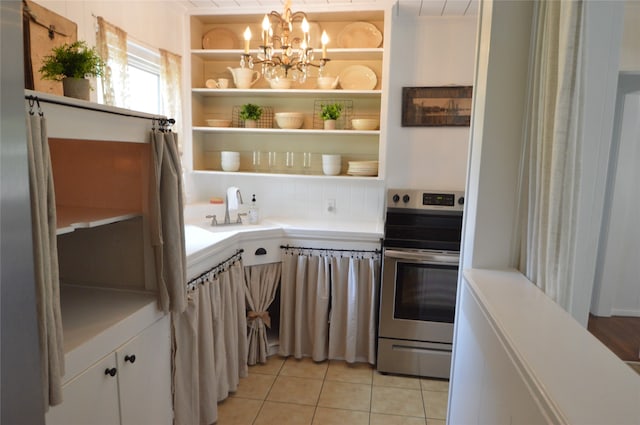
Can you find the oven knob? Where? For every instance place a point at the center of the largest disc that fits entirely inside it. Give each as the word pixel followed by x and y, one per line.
pixel 461 200
pixel 396 198
pixel 405 198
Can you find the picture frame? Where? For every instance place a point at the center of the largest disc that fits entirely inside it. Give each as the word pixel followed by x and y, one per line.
pixel 444 106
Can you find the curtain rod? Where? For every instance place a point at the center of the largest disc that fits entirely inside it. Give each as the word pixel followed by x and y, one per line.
pixel 376 251
pixel 215 268
pixel 162 120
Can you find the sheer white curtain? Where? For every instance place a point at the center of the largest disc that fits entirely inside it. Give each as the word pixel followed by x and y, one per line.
pixel 112 46
pixel 210 346
pixel 328 305
pixel 45 257
pixel 171 87
pixel 551 169
pixel 261 285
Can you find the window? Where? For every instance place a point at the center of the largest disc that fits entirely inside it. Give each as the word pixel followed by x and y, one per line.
pixel 143 69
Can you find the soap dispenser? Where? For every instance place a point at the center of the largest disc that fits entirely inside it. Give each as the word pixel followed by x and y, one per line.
pixel 254 213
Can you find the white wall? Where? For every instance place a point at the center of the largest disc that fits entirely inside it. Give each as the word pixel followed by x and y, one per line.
pixel 297 197
pixel 616 290
pixel 428 51
pixel 156 24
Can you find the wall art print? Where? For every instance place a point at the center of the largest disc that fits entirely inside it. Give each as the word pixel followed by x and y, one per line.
pixel 445 106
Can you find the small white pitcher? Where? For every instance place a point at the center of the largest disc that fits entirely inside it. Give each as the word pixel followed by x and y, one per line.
pixel 244 78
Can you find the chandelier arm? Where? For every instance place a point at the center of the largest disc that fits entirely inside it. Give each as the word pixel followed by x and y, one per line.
pixel 298 16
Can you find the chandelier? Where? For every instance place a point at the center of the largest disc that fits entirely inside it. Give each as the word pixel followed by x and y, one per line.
pixel 281 54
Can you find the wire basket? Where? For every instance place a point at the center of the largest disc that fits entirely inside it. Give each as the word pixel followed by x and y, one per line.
pixel 342 123
pixel 265 121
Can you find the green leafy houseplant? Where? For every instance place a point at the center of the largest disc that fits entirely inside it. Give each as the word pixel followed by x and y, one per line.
pixel 250 111
pixel 331 111
pixel 75 60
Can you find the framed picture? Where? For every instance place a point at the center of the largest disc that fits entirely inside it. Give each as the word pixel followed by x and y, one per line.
pixel 448 106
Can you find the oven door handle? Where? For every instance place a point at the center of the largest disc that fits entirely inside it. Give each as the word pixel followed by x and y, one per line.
pixel 423 257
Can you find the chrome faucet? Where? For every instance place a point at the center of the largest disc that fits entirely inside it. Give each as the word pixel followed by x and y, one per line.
pixel 227 215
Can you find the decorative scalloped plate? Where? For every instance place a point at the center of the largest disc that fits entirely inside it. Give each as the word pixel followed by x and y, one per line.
pixel 360 35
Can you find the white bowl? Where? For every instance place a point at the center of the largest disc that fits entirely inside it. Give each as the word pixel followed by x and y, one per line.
pixel 230 155
pixel 219 123
pixel 365 123
pixel 327 83
pixel 280 83
pixel 289 120
pixel 331 169
pixel 331 164
pixel 331 159
pixel 235 166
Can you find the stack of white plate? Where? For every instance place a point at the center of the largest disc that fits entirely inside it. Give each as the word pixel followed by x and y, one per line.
pixel 230 161
pixel 363 168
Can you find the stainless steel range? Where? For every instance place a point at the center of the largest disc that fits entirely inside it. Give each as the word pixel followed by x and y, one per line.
pixel 421 252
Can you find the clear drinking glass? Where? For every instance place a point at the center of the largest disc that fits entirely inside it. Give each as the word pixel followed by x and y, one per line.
pixel 306 162
pixel 290 161
pixel 257 160
pixel 273 161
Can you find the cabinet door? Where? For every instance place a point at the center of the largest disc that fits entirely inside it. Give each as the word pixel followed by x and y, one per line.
pixel 89 399
pixel 145 382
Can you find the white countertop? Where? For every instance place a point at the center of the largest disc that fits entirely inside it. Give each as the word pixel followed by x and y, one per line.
pixel 581 379
pixel 98 320
pixel 204 242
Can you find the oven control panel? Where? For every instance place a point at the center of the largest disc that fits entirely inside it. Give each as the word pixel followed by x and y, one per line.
pixel 421 199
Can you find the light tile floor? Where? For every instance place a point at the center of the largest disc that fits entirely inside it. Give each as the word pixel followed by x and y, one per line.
pixel 303 392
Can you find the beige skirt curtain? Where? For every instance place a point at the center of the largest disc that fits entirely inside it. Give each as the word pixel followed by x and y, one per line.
pixel 167 221
pixel 261 285
pixel 210 347
pixel 304 306
pixel 352 329
pixel 328 305
pixel 45 257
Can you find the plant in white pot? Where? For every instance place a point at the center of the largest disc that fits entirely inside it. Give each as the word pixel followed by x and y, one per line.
pixel 250 113
pixel 329 114
pixel 73 64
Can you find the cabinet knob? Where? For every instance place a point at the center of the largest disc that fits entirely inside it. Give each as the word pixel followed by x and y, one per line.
pixel 111 372
pixel 130 358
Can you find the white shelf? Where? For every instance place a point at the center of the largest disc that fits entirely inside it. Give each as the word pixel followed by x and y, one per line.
pixel 204 92
pixel 221 130
pixel 72 218
pixel 279 175
pixel 333 54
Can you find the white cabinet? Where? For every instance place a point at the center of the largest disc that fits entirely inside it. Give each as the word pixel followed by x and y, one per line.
pixel 129 386
pixel 90 398
pixel 270 141
pixel 144 377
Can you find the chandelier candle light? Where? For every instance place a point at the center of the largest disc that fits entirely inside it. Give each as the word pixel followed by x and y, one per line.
pixel 289 58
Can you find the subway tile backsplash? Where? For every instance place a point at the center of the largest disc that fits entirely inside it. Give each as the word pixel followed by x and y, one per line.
pixel 296 197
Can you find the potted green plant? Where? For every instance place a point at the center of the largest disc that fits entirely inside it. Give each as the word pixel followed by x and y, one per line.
pixel 250 113
pixel 72 64
pixel 329 114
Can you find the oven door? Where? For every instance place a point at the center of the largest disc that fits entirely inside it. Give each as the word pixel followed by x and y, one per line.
pixel 418 295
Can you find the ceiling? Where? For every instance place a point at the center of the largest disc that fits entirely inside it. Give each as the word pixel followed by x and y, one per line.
pixel 404 7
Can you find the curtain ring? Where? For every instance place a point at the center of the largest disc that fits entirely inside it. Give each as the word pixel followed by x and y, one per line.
pixel 32 102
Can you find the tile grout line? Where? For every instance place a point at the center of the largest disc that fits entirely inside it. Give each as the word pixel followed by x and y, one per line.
pixel 267 395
